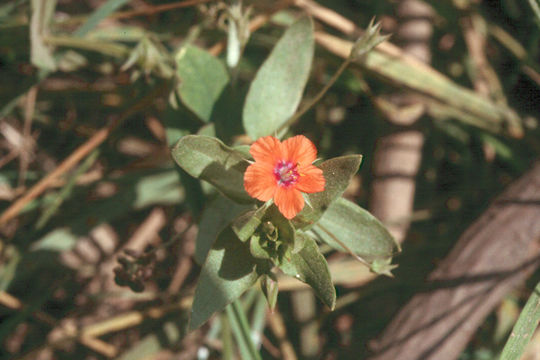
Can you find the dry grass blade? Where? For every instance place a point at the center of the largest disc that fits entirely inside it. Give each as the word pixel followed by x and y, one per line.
pixel 391 63
pixel 400 70
pixel 76 156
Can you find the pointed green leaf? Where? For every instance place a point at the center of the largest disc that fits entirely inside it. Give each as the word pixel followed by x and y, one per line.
pixel 217 215
pixel 277 88
pixel 202 80
pixel 270 289
pixel 338 172
pixel 245 225
pixel 383 267
pixel 208 159
pixel 310 266
pixel 229 270
pixel 347 224
pixel 524 329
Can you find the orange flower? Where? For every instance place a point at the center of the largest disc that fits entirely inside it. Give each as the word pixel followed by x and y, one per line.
pixel 282 170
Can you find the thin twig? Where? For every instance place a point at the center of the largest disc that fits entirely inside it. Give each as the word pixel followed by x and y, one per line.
pixel 76 156
pixel 152 10
pixel 317 97
pixel 24 155
pixel 91 342
pixel 275 320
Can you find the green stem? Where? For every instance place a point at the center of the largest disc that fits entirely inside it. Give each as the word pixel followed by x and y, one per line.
pixel 317 97
pixel 103 47
pixel 524 328
pixel 242 332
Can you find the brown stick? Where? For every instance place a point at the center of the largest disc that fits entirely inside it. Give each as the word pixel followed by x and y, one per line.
pixel 494 255
pixel 151 10
pixel 26 149
pixel 76 156
pixel 275 320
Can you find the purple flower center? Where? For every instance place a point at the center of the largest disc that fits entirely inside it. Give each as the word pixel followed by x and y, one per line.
pixel 286 173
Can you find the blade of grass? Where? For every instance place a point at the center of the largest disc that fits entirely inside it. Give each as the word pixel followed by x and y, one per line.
pixel 259 319
pixel 226 338
pixel 536 10
pixel 91 22
pixel 41 55
pixel 98 15
pixel 524 328
pixel 103 47
pixel 401 70
pixel 66 190
pixel 389 62
pixel 76 156
pixel 6 9
pixel 241 331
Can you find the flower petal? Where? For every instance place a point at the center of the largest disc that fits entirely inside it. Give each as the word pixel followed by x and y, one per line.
pixel 267 149
pixel 289 201
pixel 300 150
pixel 259 181
pixel 311 179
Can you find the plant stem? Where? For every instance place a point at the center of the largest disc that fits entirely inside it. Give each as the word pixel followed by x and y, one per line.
pixel 241 331
pixel 317 97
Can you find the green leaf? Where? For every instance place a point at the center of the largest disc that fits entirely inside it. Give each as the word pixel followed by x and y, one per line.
pixel 310 266
pixel 259 249
pixel 208 159
pixel 347 227
pixel 40 54
pixel 285 229
pixel 217 215
pixel 275 237
pixel 245 225
pixel 277 89
pixel 524 328
pixel 202 80
pixel 227 114
pixel 229 270
pixel 60 239
pixel 338 172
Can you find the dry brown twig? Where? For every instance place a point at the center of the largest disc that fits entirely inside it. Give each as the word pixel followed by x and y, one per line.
pixel 275 320
pixel 26 150
pixel 155 9
pixel 97 345
pixel 75 157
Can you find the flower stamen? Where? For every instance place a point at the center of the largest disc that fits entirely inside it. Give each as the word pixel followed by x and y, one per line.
pixel 286 173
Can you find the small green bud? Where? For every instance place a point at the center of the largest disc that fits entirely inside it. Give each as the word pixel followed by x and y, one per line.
pixel 383 267
pixel 269 286
pixel 371 38
pixel 270 230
